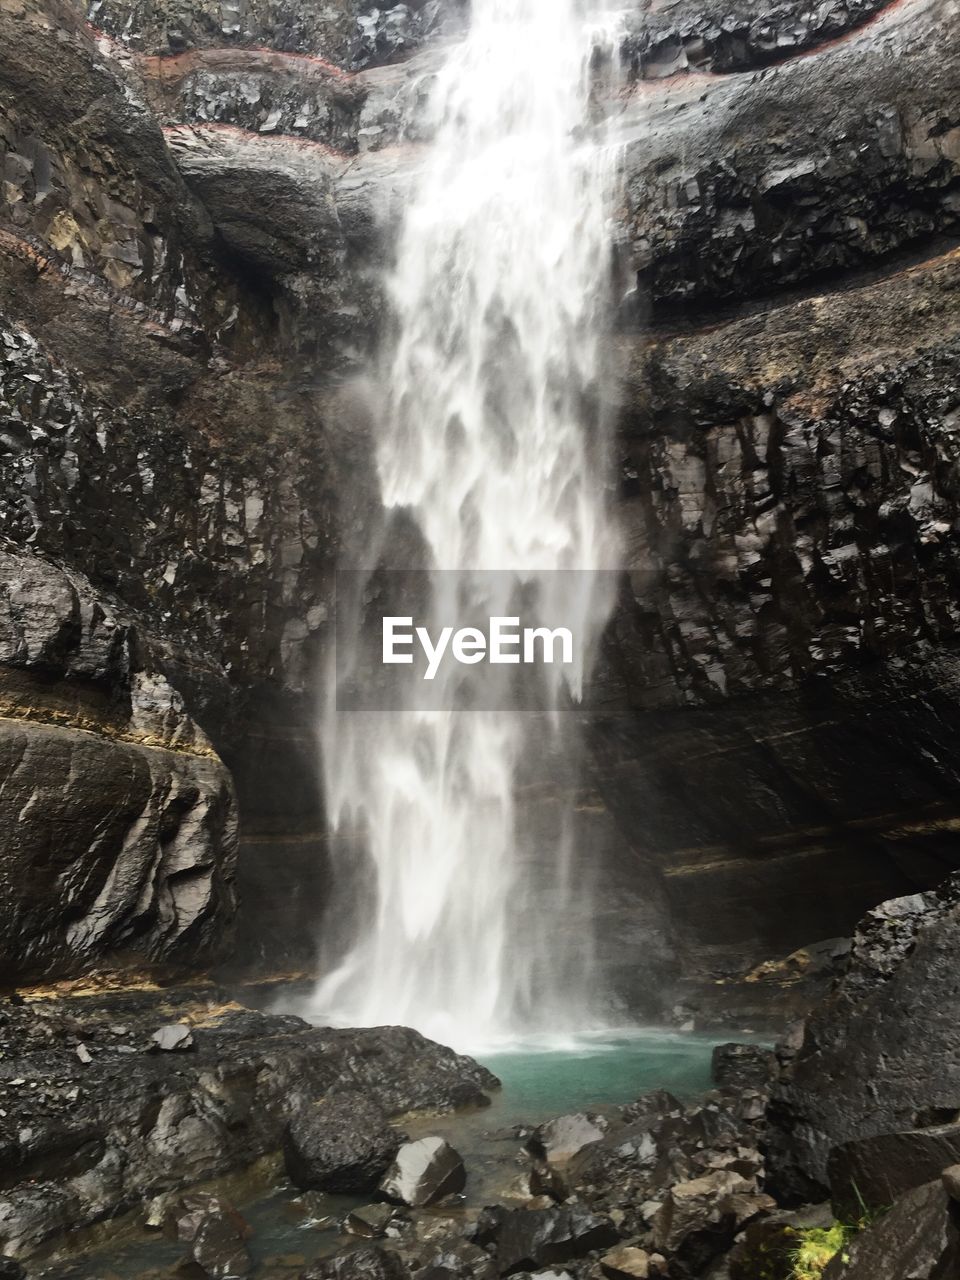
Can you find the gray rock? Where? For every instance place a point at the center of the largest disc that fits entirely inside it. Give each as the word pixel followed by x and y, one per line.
pixel 865 1068
pixel 918 1239
pixel 743 1066
pixel 525 1239
pixel 560 1139
pixel 877 1171
pixel 359 1264
pixel 176 1037
pixel 369 1221
pixel 424 1172
pixel 342 1145
pixel 217 1237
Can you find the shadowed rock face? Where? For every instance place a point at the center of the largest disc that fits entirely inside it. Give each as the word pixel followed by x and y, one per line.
pixel 120 819
pixel 195 206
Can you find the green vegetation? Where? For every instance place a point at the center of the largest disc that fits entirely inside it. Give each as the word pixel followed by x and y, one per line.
pixel 817 1246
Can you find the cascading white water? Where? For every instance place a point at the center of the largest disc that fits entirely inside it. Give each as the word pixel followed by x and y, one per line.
pixel 490 440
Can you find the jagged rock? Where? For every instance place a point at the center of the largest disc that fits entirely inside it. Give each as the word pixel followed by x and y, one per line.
pixel 369 1220
pixel 877 1171
pixel 424 1172
pixel 201 1115
pixel 743 1066
pixel 359 1264
pixel 864 1070
pixel 217 1235
pixel 698 1218
pixel 10 1269
pixel 919 1238
pixel 175 1038
pixel 524 1239
pixel 560 1139
pixel 626 1263
pixel 342 1145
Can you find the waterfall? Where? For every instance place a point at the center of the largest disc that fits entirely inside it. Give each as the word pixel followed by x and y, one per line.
pixel 490 440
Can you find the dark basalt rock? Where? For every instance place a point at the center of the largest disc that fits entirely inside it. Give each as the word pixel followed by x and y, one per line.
pixel 424 1172
pixel 700 1218
pixel 137 1124
pixel 360 1264
pixel 525 1239
pixel 878 1056
pixel 342 1145
pixel 738 1066
pixel 877 1171
pixel 217 1236
pixel 724 36
pixel 560 1139
pixel 919 1238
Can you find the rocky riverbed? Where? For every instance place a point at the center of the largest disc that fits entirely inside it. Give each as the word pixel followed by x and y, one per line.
pixel 126 1113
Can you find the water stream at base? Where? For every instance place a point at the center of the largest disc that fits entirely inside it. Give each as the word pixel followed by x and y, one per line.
pixel 491 443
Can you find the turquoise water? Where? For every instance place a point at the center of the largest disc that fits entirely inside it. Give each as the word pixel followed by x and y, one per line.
pixel 539 1081
pixel 600 1070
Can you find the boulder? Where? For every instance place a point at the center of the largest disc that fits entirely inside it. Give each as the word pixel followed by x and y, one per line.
pixel 877 1171
pixel 878 1055
pixel 10 1269
pixel 708 1211
pixel 558 1140
pixel 524 1239
pixel 919 1239
pixel 424 1172
pixel 739 1066
pixel 951 1182
pixel 343 1144
pixel 217 1236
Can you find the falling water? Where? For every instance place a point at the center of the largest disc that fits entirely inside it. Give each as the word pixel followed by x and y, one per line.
pixel 490 440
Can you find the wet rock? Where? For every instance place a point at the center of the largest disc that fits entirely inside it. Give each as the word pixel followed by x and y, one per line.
pixel 560 1139
pixel 919 1238
pixel 10 1269
pixel 424 1172
pixel 217 1235
pixel 343 1145
pixel 525 1239
pixel 743 1066
pixel 369 1220
pixel 877 1171
pixel 72 1154
pixel 175 1038
pixel 359 1264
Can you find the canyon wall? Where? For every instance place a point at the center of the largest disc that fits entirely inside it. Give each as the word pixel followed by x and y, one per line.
pixel 196 203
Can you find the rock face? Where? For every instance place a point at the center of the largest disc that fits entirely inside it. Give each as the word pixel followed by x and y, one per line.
pixel 879 1055
pixel 196 201
pixel 120 819
pixel 342 1145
